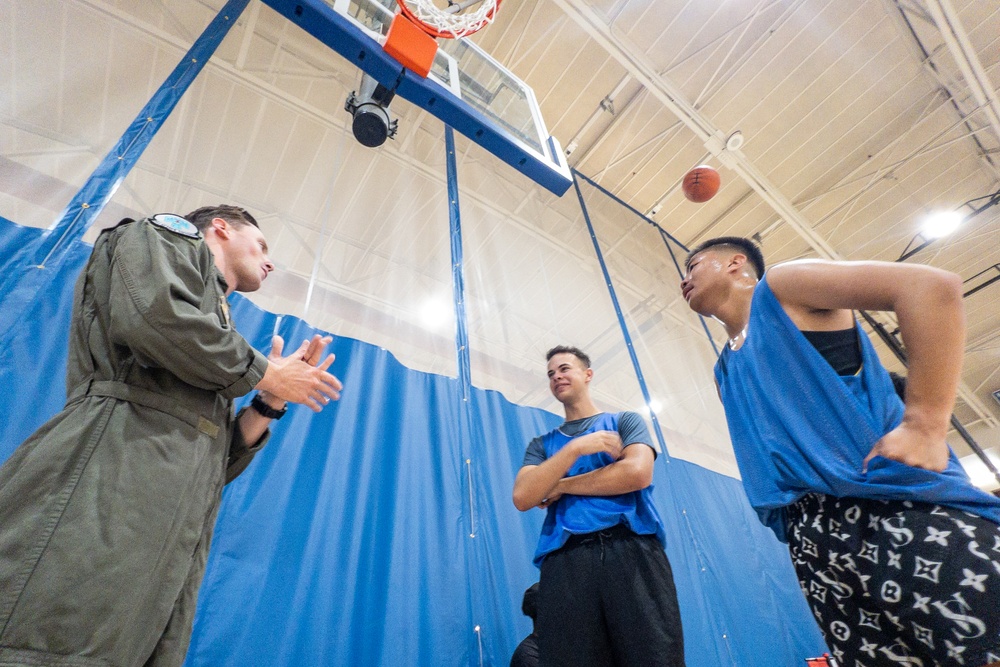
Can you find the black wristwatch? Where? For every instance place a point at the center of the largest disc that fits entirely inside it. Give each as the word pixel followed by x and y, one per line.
pixel 266 410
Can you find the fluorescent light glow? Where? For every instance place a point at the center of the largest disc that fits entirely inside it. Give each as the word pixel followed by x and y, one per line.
pixel 978 473
pixel 437 314
pixel 942 223
pixel 654 407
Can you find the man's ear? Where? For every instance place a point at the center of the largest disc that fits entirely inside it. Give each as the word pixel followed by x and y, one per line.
pixel 589 375
pixel 221 227
pixel 737 262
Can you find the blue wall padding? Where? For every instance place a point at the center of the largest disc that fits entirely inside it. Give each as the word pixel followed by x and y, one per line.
pixel 33 353
pixel 348 540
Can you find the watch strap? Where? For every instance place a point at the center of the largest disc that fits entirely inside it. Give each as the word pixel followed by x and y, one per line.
pixel 265 410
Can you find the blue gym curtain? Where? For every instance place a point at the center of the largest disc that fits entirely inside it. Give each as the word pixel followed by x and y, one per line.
pixel 370 534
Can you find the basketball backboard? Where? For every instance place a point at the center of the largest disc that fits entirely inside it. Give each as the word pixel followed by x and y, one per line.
pixel 466 88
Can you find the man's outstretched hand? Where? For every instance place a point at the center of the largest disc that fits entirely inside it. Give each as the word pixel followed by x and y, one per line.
pixel 301 377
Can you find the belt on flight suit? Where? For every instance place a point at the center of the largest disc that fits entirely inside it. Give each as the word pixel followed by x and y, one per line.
pixel 148 399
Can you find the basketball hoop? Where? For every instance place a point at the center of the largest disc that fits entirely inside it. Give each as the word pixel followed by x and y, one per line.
pixel 459 19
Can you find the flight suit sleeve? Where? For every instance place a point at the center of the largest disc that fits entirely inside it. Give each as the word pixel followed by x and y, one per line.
pixel 159 280
pixel 240 453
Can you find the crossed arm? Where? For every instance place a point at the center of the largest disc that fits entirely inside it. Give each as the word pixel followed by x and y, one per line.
pixel 540 485
pixel 632 472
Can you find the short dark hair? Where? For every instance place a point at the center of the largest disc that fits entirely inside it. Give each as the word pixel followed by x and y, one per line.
pixel 738 243
pixel 529 604
pixel 566 349
pixel 202 217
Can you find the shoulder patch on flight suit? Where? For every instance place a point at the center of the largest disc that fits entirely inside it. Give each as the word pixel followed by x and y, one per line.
pixel 176 224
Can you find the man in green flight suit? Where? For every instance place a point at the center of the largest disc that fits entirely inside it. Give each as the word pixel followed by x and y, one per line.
pixel 106 512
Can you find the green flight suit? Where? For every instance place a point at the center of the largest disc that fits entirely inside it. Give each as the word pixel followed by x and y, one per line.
pixel 106 512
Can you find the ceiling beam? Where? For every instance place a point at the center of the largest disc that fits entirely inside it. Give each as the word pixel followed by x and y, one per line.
pixel 606 106
pixel 957 40
pixel 248 30
pixel 901 11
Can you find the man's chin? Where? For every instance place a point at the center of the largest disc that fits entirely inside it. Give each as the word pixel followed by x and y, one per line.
pixel 698 307
pixel 247 286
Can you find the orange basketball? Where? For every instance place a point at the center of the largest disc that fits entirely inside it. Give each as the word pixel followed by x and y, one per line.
pixel 701 183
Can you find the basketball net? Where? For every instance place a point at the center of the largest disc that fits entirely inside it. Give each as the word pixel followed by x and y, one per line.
pixel 458 19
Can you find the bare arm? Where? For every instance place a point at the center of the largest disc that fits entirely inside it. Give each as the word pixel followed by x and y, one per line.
pixel 252 424
pixel 928 304
pixel 632 472
pixel 534 484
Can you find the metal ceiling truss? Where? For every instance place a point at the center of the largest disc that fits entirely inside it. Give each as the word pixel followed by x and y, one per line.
pixel 941 15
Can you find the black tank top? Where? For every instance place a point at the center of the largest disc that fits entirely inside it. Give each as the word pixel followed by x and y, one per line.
pixel 841 349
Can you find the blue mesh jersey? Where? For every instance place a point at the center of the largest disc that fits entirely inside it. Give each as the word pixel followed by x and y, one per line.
pixel 798 427
pixel 575 515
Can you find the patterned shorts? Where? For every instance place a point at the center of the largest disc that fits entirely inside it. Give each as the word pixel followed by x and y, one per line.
pixel 899 582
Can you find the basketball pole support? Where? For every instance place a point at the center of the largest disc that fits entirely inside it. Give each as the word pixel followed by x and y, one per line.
pixel 469 426
pixel 621 323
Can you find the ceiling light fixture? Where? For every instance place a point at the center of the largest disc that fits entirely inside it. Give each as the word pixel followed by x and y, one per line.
pixel 941 223
pixel 735 141
pixel 945 222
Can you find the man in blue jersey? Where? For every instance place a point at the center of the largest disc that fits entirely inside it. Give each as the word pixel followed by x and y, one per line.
pixel 897 553
pixel 606 594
